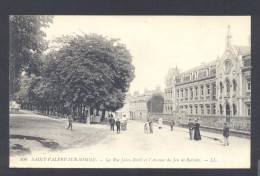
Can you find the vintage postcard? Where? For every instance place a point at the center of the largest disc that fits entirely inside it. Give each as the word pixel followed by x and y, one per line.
pixel 129 91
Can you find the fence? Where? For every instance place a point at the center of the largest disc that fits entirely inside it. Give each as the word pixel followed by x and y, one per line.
pixel 239 123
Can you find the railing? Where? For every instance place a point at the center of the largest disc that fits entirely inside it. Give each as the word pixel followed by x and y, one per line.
pixel 239 123
pixel 242 123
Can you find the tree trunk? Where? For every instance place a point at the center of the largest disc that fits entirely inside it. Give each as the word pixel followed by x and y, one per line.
pixel 84 108
pixel 91 110
pixel 103 115
pixel 97 113
pixel 88 116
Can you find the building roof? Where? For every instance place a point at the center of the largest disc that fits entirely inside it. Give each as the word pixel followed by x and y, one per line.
pixel 202 66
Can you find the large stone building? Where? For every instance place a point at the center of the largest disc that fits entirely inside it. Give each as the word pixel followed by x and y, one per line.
pixel 136 105
pixel 220 87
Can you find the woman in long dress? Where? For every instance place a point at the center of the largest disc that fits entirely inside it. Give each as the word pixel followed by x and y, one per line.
pixel 197 131
pixel 160 122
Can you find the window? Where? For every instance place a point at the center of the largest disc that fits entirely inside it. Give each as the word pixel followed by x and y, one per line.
pixel 214 91
pixel 234 109
pixel 194 75
pixel 201 90
pixel 196 109
pixel 221 87
pixel 191 93
pixel 207 72
pixel 249 85
pixel 186 92
pixel 202 109
pixel 178 95
pixel 234 85
pixel 208 89
pixel 213 109
pixel 220 109
pixel 228 86
pixel 190 109
pixel 196 91
pixel 208 109
pixel 181 93
pixel 249 110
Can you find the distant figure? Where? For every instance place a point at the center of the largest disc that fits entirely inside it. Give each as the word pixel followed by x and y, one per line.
pixel 160 120
pixel 226 134
pixel 112 123
pixel 124 123
pixel 150 124
pixel 111 115
pixel 70 122
pixel 118 126
pixel 197 130
pixel 190 125
pixel 146 130
pixel 172 123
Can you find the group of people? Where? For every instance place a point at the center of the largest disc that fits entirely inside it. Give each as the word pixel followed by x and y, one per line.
pixel 197 135
pixel 196 127
pixel 117 122
pixel 148 126
pixel 114 122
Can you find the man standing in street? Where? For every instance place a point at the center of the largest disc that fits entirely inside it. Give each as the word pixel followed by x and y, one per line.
pixel 226 134
pixel 172 123
pixel 112 123
pixel 70 122
pixel 150 124
pixel 118 126
pixel 190 125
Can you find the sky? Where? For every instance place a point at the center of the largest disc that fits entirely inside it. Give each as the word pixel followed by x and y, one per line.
pixel 158 43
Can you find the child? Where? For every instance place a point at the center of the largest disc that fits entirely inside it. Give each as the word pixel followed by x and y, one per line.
pixel 146 130
pixel 226 134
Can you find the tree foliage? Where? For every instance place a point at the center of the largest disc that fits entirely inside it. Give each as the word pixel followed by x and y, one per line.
pixel 85 71
pixel 92 70
pixel 26 44
pixel 155 103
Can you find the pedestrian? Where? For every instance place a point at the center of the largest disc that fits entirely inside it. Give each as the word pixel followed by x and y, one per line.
pixel 190 126
pixel 118 126
pixel 197 130
pixel 150 124
pixel 70 122
pixel 226 134
pixel 160 121
pixel 124 123
pixel 146 130
pixel 172 123
pixel 112 124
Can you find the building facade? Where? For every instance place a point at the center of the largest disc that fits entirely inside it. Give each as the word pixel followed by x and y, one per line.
pixel 136 105
pixel 220 87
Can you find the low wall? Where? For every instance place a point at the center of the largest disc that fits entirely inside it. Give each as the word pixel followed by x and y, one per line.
pixel 239 126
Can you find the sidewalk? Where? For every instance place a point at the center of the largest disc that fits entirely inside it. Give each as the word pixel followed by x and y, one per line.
pixel 207 134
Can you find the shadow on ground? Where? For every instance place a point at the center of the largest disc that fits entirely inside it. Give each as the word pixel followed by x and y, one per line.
pixel 20 150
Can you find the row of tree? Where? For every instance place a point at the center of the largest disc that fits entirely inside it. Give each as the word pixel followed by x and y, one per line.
pixel 76 75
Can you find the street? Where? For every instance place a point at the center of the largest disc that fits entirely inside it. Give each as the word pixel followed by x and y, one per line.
pixel 36 138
